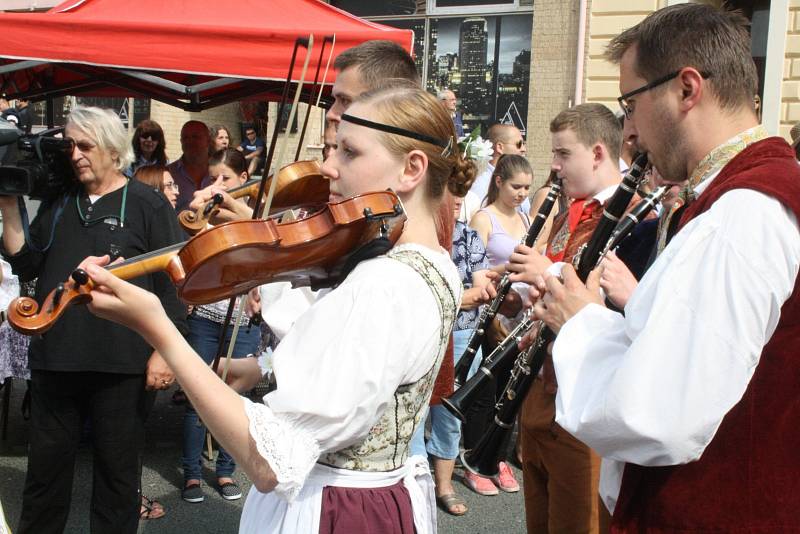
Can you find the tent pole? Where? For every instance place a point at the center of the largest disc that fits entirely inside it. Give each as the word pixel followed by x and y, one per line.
pixel 50 113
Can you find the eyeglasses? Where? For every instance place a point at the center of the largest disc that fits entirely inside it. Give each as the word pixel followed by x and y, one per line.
pixel 82 146
pixel 518 144
pixel 171 185
pixel 150 137
pixel 627 107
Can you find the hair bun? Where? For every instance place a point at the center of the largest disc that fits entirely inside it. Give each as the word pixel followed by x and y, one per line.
pixel 462 177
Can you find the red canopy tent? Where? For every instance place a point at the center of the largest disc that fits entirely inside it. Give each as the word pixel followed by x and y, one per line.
pixel 193 54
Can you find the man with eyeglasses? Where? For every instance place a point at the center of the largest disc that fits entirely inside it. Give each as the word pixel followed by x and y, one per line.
pixel 561 473
pixel 691 396
pixel 505 139
pixel 85 367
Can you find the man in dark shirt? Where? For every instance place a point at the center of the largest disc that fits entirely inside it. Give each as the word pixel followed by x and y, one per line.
pixel 252 147
pixel 84 366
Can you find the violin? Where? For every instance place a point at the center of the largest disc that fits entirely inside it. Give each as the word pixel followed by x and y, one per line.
pixel 299 184
pixel 234 257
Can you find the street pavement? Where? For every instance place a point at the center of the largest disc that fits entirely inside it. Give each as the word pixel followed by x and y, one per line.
pixel 161 480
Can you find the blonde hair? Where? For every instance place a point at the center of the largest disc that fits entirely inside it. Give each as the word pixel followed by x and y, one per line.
pixel 105 128
pixel 418 111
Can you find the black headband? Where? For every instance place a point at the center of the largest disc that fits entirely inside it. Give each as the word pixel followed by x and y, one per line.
pixel 445 145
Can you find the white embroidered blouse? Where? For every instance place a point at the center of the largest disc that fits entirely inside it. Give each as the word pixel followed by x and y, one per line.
pixel 341 362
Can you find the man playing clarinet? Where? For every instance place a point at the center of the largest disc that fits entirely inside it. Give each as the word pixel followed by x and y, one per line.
pixel 690 397
pixel 560 473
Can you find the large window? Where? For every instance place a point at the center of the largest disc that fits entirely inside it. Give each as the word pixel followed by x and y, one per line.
pixel 479 52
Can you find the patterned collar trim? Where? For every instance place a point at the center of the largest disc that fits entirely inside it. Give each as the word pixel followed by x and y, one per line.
pixel 719 157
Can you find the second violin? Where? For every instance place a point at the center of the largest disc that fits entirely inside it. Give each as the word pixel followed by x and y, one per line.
pixel 299 184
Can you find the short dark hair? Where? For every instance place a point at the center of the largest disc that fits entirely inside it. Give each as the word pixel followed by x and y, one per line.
pixel 592 123
pixel 378 61
pixel 230 157
pixel 713 41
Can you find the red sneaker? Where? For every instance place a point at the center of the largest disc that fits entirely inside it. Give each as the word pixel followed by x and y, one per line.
pixel 478 484
pixel 505 479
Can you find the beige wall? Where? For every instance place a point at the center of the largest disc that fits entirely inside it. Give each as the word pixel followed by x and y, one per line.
pixel 554 46
pixel 790 85
pixel 607 19
pixel 552 80
pixel 172 119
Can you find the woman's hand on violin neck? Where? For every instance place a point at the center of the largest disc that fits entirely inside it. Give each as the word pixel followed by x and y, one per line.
pixel 125 303
pixel 229 210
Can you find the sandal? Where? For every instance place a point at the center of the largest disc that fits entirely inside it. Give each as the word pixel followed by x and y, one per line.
pixel 151 509
pixel 449 503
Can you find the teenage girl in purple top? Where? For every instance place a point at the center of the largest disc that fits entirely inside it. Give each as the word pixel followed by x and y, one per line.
pixel 500 224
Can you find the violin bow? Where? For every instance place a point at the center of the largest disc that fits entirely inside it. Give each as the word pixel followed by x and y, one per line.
pixel 264 208
pixel 308 44
pixel 315 95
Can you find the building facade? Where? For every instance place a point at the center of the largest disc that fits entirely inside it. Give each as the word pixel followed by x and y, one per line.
pixel 522 61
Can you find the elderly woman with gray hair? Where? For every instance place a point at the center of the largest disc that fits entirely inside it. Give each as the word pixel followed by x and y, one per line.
pixel 86 367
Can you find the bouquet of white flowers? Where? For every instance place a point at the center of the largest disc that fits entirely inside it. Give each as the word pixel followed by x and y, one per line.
pixel 476 148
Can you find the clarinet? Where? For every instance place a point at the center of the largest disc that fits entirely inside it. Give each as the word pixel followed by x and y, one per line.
pixel 504 286
pixel 530 358
pixel 483 459
pixel 464 396
pixel 631 219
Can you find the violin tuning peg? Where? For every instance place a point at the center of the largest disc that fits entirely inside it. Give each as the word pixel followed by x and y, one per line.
pixel 80 277
pixel 59 291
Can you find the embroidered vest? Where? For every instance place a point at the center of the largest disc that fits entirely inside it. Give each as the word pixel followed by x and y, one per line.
pixel 747 478
pixel 385 447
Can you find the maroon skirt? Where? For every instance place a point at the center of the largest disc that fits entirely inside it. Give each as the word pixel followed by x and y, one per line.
pixel 366 510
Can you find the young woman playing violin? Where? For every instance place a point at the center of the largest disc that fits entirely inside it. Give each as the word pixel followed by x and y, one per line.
pixel 356 370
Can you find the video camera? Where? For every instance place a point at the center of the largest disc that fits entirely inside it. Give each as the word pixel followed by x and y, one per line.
pixel 36 165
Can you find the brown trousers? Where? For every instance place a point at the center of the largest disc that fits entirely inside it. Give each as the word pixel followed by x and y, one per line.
pixel 561 475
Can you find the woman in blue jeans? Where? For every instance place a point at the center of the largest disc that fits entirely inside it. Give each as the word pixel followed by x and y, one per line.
pixel 469 256
pixel 229 168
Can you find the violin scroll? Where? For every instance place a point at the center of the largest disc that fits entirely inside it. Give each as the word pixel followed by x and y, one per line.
pixel 26 317
pixel 191 222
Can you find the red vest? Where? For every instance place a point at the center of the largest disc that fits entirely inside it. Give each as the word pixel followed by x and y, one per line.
pixel 748 478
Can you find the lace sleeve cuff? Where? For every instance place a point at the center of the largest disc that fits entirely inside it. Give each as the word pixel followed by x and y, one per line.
pixel 290 450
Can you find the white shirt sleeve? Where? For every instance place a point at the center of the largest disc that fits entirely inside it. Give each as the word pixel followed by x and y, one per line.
pixel 339 365
pixel 282 304
pixel 652 387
